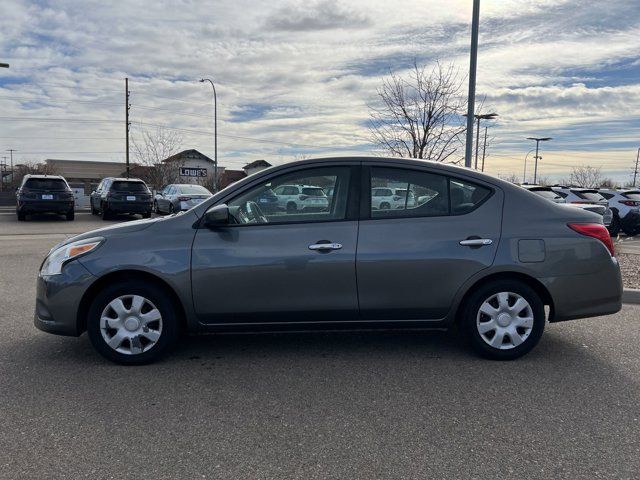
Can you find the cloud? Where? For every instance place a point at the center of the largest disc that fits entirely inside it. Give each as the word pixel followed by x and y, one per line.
pixel 318 15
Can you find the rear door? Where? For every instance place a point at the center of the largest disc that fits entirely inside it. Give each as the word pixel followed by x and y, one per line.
pixel 412 260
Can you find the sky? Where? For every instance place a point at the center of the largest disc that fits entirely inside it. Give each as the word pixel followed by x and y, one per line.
pixel 296 78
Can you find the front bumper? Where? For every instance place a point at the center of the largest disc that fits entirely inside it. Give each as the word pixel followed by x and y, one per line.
pixel 58 300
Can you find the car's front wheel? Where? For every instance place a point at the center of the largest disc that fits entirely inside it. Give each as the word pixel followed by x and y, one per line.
pixel 132 323
pixel 504 319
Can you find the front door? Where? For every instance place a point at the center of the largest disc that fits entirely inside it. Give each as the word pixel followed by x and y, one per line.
pixel 279 265
pixel 410 261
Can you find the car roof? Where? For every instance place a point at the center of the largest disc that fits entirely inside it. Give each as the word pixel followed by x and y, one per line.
pixel 123 179
pixel 37 175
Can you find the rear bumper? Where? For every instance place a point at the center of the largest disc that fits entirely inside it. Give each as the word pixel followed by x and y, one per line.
pixel 583 296
pixel 129 207
pixel 42 206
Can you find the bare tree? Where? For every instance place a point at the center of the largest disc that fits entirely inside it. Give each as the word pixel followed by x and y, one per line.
pixel 511 177
pixel 151 149
pixel 587 177
pixel 30 167
pixel 420 116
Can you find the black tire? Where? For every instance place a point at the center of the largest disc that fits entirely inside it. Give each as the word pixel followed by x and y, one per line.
pixel 93 210
pixel 385 206
pixel 172 209
pixel 471 311
pixel 146 214
pixel 292 207
pixel 21 216
pixel 106 214
pixel 160 299
pixel 70 216
pixel 630 231
pixel 155 207
pixel 614 228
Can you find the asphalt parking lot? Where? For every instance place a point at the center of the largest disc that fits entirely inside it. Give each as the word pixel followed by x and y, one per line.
pixel 315 405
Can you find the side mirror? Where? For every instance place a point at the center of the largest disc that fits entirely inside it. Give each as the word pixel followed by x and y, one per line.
pixel 217 216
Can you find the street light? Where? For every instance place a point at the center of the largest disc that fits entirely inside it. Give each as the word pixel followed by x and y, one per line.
pixel 537 140
pixel 484 116
pixel 215 134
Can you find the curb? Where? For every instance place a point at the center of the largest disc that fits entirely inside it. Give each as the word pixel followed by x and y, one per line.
pixel 631 295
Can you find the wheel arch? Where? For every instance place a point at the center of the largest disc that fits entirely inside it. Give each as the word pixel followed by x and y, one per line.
pixel 532 282
pixel 121 275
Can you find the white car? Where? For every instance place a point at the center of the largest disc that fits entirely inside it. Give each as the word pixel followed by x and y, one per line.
pixel 625 205
pixel 387 198
pixel 301 198
pixel 588 199
pixel 546 192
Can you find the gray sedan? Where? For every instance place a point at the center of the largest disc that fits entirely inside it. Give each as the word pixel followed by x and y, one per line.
pixel 476 253
pixel 178 197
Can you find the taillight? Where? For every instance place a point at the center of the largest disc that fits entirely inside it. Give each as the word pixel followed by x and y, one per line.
pixel 184 199
pixel 594 230
pixel 630 203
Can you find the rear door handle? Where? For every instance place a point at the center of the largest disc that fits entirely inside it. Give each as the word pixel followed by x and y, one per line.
pixel 476 242
pixel 325 246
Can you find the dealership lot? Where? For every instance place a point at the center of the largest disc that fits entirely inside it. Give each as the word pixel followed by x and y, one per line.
pixel 312 405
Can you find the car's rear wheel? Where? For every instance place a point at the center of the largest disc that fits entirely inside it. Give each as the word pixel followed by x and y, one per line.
pixel 630 230
pixel 171 208
pixel 155 207
pixel 106 214
pixel 132 323
pixel 70 216
pixel 504 319
pixel 22 216
pixel 385 206
pixel 614 228
pixel 146 214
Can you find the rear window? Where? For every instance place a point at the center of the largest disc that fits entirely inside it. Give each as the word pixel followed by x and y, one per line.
pixel 193 190
pixel 46 184
pixel 122 186
pixel 313 192
pixel 632 195
pixel 550 194
pixel 592 196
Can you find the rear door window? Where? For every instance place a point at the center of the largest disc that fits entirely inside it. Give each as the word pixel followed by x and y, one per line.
pixel 466 196
pixel 590 195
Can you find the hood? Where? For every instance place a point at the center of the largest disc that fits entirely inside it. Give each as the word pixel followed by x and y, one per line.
pixel 117 229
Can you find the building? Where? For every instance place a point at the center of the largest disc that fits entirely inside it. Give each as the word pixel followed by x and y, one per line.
pixel 191 166
pixel 256 166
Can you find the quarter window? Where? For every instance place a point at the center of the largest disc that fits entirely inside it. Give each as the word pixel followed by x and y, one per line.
pixel 295 197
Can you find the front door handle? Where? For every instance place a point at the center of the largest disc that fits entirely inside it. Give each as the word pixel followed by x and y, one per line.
pixel 476 242
pixel 325 246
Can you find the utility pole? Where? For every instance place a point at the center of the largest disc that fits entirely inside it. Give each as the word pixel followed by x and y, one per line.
pixel 635 170
pixel 11 150
pixel 3 168
pixel 475 22
pixel 484 146
pixel 126 113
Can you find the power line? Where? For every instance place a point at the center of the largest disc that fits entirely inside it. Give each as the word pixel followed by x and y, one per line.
pixel 53 120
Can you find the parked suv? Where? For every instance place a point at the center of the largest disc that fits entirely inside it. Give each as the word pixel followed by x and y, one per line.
pixel 588 199
pixel 121 195
pixel 545 192
pixel 44 193
pixel 179 197
pixel 625 205
pixel 305 198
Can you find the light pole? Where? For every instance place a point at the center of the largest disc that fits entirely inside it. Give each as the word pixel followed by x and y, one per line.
pixel 473 61
pixel 215 134
pixel 537 140
pixel 486 116
pixel 524 174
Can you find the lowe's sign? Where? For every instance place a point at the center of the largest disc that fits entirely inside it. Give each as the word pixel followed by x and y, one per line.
pixel 193 172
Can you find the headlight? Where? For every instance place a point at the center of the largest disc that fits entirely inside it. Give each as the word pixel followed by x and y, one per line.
pixel 52 265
